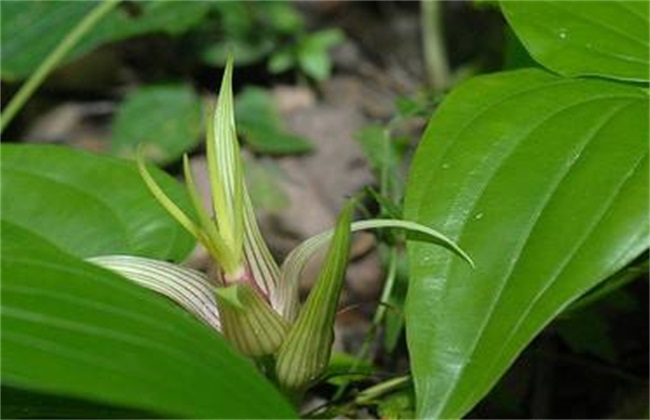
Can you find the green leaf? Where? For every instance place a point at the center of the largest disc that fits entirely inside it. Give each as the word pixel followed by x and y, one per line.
pixel 612 285
pixel 282 60
pixel 31 29
pixel 74 329
pixel 313 54
pixel 543 181
pixel 261 125
pixel 573 38
pixel 515 54
pixel 165 120
pixel 89 205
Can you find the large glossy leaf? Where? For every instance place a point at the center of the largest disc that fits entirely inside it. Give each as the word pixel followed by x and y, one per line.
pixel 31 29
pixel 75 329
pixel 171 128
pixel 89 205
pixel 603 38
pixel 543 181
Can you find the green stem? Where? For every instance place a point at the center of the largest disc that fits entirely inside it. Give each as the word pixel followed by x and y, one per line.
pixel 50 63
pixel 370 394
pixel 435 56
pixel 378 318
pixel 388 287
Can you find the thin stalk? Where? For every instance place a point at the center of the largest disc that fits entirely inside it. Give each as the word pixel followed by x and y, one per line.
pixel 50 63
pixel 378 318
pixel 433 43
pixel 383 388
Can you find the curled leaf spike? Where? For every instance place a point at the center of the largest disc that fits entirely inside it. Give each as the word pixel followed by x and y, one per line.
pixel 306 351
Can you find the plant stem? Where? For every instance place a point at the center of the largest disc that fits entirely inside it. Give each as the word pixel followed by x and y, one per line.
pixel 378 318
pixel 374 392
pixel 435 57
pixel 50 63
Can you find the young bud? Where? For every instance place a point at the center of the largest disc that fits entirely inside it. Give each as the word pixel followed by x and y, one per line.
pixel 305 353
pixel 248 321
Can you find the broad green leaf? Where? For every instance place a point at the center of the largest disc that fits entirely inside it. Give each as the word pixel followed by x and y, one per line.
pixel 543 181
pixel 261 125
pixel 171 127
pixel 89 205
pixel 31 29
pixel 74 329
pixel 600 38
